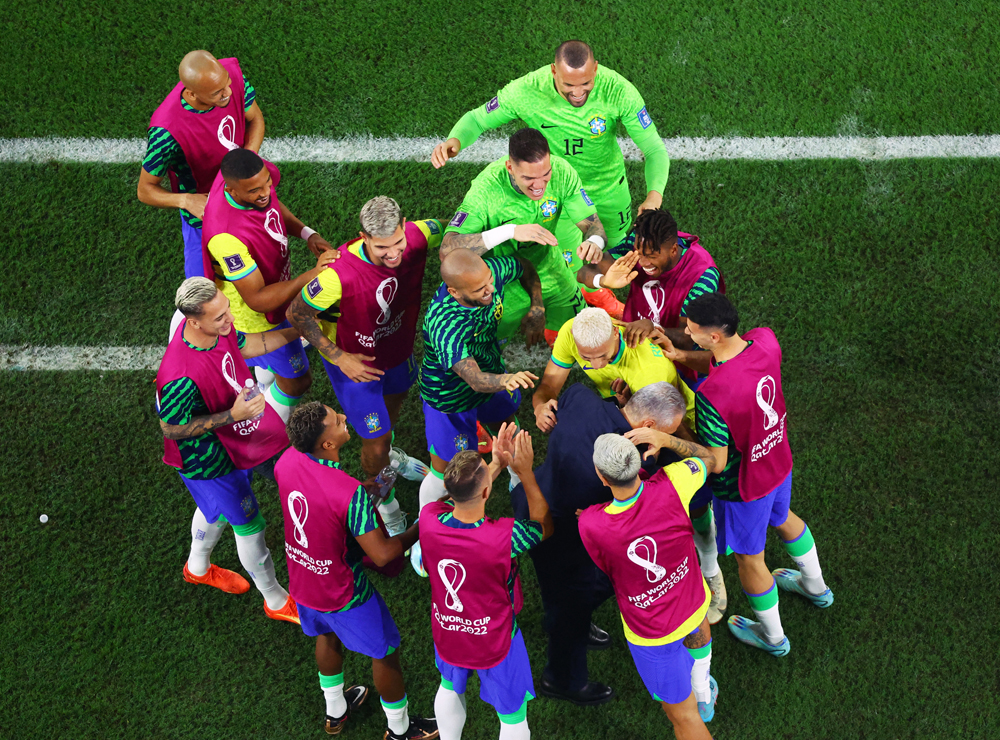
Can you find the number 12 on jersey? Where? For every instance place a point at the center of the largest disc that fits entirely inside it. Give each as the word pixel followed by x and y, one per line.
pixel 577 146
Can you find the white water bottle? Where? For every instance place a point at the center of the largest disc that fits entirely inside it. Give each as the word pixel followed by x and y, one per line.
pixel 253 390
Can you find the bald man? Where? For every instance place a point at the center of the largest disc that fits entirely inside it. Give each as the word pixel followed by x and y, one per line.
pixel 211 111
pixel 463 378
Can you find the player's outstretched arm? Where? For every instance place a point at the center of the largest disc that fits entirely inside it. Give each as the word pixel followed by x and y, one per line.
pixel 544 400
pixel 468 128
pixel 254 133
pixel 383 550
pixel 241 410
pixel 533 324
pixel 523 465
pixel 682 447
pixel 305 319
pixel 317 244
pixel 594 239
pixel 482 382
pixel 484 241
pixel 263 298
pixel 150 193
pixel 267 341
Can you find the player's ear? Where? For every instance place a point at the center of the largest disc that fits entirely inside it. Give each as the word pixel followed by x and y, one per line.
pixel 649 424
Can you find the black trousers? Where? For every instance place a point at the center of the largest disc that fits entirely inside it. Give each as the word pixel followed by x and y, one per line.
pixel 571 588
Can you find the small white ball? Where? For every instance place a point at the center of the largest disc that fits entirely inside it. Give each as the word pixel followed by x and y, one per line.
pixel 43 518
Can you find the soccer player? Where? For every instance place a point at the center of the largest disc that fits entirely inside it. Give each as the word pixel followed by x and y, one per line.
pixel 329 524
pixel 472 563
pixel 578 106
pixel 463 378
pixel 741 416
pixel 599 347
pixel 665 270
pixel 570 584
pixel 245 239
pixel 212 110
pixel 642 541
pixel 215 436
pixel 368 349
pixel 512 207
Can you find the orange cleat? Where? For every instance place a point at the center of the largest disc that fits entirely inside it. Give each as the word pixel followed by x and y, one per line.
pixel 220 578
pixel 607 300
pixel 485 440
pixel 550 337
pixel 288 613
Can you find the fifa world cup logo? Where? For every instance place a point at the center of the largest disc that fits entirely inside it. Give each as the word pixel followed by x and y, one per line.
pixel 298 512
pixel 384 294
pixel 647 558
pixel 452 574
pixel 229 373
pixel 272 225
pixel 766 394
pixel 656 298
pixel 227 133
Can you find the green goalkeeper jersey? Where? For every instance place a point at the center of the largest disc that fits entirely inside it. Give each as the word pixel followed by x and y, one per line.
pixel 493 200
pixel 586 136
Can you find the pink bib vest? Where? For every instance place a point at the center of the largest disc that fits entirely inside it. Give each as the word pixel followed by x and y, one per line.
pixel 263 232
pixel 746 391
pixel 204 137
pixel 381 320
pixel 648 553
pixel 471 614
pixel 220 374
pixel 314 501
pixel 661 298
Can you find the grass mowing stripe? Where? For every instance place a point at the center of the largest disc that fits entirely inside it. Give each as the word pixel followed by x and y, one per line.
pixel 402 149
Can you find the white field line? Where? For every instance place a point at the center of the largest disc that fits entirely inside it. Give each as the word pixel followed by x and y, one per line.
pixel 399 149
pixel 19 358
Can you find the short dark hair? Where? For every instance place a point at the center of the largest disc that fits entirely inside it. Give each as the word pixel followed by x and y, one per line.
pixel 463 476
pixel 654 229
pixel 527 145
pixel 714 311
pixel 574 54
pixel 240 164
pixel 306 426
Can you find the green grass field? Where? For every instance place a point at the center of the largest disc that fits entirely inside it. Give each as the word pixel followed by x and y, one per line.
pixel 879 279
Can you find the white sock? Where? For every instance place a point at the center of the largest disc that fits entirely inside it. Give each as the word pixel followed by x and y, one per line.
pixel 514 479
pixel 336 704
pixel 700 673
pixel 431 489
pixel 399 719
pixel 204 536
pixel 519 731
pixel 175 321
pixel 449 711
pixel 812 574
pixel 264 376
pixel 708 551
pixel 770 624
pixel 256 559
pixel 284 410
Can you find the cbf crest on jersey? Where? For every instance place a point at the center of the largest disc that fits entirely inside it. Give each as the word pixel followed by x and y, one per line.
pixel 498 310
pixel 461 442
pixel 549 209
pixel 598 126
pixel 373 423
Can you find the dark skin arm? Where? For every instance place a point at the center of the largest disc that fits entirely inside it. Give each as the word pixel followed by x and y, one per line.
pixel 253 136
pixel 263 298
pixel 383 550
pixel 533 324
pixel 482 382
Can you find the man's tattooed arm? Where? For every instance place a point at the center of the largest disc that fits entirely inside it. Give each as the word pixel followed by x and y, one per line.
pixel 592 226
pixel 481 382
pixel 303 318
pixel 686 448
pixel 197 426
pixel 453 241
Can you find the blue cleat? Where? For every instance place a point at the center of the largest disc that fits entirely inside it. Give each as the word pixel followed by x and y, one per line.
pixel 707 708
pixel 417 560
pixel 791 580
pixel 751 633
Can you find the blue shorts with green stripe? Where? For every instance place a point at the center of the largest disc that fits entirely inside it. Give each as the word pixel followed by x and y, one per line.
pixel 449 434
pixel 288 361
pixel 742 525
pixel 508 686
pixel 228 495
pixel 664 669
pixel 367 628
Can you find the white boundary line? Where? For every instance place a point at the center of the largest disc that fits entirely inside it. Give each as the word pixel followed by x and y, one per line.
pixel 399 149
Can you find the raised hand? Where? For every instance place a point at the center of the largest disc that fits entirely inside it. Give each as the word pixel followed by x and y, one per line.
pixel 545 415
pixel 445 151
pixel 354 367
pixel 534 233
pixel 621 272
pixel 523 379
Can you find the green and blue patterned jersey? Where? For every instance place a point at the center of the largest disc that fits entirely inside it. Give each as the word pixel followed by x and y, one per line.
pixel 707 283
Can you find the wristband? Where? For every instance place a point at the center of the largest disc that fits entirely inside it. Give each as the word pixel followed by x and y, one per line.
pixel 499 235
pixel 306 233
pixel 598 240
pixel 597 280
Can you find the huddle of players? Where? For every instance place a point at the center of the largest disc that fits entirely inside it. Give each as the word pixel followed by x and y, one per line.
pixel 517 210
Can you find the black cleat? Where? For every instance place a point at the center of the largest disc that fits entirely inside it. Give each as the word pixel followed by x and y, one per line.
pixel 419 729
pixel 355 696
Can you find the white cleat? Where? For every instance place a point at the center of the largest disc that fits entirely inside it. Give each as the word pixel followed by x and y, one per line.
pixel 409 467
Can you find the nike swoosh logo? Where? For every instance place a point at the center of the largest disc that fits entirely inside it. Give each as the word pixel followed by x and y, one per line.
pixel 506 222
pixel 552 126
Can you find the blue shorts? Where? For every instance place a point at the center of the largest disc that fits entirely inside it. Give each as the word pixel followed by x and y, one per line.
pixel 507 686
pixel 364 403
pixel 194 261
pixel 367 629
pixel 289 361
pixel 230 496
pixel 742 525
pixel 449 434
pixel 664 669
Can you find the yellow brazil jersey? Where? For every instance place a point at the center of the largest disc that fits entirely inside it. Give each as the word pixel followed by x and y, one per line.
pixel 330 291
pixel 229 252
pixel 638 366
pixel 687 481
